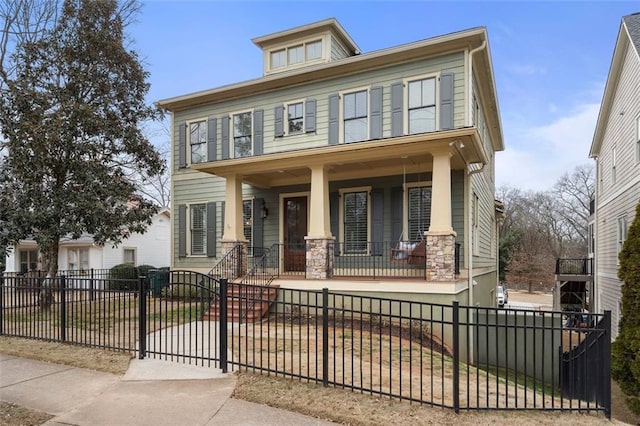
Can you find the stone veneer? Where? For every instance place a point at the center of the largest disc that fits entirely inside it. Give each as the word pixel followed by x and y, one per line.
pixel 319 258
pixel 234 268
pixel 441 257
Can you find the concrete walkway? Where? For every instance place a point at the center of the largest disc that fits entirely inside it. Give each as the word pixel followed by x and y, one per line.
pixel 152 392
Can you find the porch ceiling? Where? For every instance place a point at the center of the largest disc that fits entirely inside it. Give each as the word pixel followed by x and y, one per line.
pixel 410 154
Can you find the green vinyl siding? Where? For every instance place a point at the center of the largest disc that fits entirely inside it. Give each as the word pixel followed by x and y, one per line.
pixel 337 50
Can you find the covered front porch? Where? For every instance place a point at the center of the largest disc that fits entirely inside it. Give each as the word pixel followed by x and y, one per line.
pixel 348 211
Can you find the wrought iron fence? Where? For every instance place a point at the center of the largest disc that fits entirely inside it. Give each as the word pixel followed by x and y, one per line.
pixel 460 357
pixel 574 266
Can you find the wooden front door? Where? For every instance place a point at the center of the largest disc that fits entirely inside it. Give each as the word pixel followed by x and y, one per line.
pixel 295 229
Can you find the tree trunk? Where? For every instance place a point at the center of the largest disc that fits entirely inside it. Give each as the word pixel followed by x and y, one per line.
pixel 50 265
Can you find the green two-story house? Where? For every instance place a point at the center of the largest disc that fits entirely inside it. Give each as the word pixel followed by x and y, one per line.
pixel 367 172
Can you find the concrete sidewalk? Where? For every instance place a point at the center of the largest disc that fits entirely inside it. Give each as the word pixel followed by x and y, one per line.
pixel 152 392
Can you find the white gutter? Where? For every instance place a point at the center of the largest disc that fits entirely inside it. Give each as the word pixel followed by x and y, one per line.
pixel 470 82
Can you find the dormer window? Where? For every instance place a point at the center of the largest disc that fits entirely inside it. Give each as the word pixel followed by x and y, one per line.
pixel 314 50
pixel 296 55
pixel 278 59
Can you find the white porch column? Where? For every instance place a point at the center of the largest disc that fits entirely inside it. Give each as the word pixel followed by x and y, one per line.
pixel 441 194
pixel 233 229
pixel 319 224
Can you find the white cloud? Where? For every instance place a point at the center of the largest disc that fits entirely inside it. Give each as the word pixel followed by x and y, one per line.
pixel 536 157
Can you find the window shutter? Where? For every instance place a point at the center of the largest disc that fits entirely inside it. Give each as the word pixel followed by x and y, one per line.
pixel 222 205
pixel 334 107
pixel 375 132
pixel 225 138
pixel 258 227
pixel 258 116
pixel 182 230
pixel 334 205
pixel 279 121
pixel 397 107
pixel 211 229
pixel 182 145
pixel 377 221
pixel 310 116
pixel 396 214
pixel 212 141
pixel 446 101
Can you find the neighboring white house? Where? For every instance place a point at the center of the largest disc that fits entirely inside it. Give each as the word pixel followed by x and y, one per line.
pixel 151 248
pixel 616 150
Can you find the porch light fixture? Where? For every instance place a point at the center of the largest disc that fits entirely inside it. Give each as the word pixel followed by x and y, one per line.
pixel 264 211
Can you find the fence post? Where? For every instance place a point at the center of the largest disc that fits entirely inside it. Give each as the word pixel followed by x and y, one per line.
pixel 456 357
pixel 325 337
pixel 607 365
pixel 142 320
pixel 1 302
pixel 91 287
pixel 222 322
pixel 63 308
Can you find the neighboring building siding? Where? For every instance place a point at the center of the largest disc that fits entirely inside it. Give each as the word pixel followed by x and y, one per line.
pixel 337 50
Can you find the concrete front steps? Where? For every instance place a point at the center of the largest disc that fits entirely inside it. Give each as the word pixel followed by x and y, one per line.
pixel 245 303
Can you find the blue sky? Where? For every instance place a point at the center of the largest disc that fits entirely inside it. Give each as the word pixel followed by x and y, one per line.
pixel 550 59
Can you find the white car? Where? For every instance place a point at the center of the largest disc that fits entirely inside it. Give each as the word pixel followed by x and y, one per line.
pixel 502 296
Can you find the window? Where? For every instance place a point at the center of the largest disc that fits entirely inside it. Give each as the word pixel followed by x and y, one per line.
pixel 198 228
pixel 622 235
pixel 242 128
pixel 613 165
pixel 247 220
pixel 475 218
pixel 78 259
pixel 314 50
pixel 130 256
pixel 296 54
pixel 279 58
pixel 198 141
pixel 355 116
pixel 295 117
pixel 422 105
pixel 355 216
pixel 28 260
pixel 418 212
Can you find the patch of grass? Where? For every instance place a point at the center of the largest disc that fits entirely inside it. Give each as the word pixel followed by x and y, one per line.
pixel 12 415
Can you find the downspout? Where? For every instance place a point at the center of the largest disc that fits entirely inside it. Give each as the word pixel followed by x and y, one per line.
pixel 470 81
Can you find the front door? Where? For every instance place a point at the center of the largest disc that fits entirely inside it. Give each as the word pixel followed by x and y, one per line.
pixel 295 229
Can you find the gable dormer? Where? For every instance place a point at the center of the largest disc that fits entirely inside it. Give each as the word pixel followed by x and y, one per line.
pixel 311 44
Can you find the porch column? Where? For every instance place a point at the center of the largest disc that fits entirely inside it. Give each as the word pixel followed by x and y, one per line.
pixel 441 237
pixel 319 241
pixel 233 232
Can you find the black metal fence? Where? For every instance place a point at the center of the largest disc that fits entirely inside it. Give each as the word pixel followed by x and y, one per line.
pixel 574 266
pixel 454 356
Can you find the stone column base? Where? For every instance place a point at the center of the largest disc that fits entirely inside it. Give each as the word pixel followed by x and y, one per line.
pixel 320 257
pixel 441 257
pixel 235 265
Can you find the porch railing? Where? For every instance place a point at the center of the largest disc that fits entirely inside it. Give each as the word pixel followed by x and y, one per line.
pixel 262 268
pixel 230 266
pixel 574 266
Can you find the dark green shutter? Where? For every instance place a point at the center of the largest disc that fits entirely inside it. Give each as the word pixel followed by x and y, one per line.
pixel 334 108
pixel 334 217
pixel 212 141
pixel 310 116
pixel 258 116
pixel 377 221
pixel 397 107
pixel 375 131
pixel 446 101
pixel 258 227
pixel 222 205
pixel 225 138
pixel 278 121
pixel 182 145
pixel 211 229
pixel 182 230
pixel 396 214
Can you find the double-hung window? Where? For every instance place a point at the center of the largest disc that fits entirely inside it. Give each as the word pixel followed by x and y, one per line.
pixel 242 134
pixel 355 220
pixel 295 118
pixel 198 141
pixel 130 256
pixel 78 259
pixel 418 212
pixel 355 116
pixel 197 229
pixel 247 220
pixel 28 260
pixel 422 105
pixel 622 236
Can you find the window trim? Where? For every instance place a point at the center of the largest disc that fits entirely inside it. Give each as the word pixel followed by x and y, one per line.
pixel 250 200
pixel 189 155
pixel 622 229
pixel 405 99
pixel 324 38
pixel 135 255
pixel 405 204
pixel 232 140
pixel 285 118
pixel 28 251
pixel 341 96
pixel 188 230
pixel 342 192
pixel 78 249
